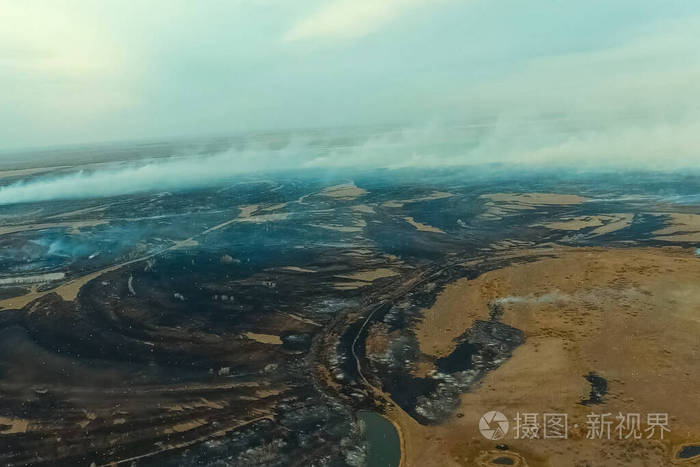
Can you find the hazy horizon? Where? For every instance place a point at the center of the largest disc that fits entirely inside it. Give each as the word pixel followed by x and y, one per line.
pixel 80 72
pixel 501 149
pixel 402 84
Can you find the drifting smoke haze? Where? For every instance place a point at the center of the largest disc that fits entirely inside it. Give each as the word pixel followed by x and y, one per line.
pixel 595 295
pixel 181 173
pixel 518 145
pixel 551 297
pixel 603 89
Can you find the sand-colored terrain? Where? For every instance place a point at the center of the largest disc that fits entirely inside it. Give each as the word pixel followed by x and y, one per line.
pixel 346 192
pixel 264 338
pixel 247 210
pixel 278 216
pixel 296 269
pixel 613 224
pixel 680 228
pixel 604 224
pixel 68 291
pixel 186 243
pixel 576 223
pixel 246 214
pixel 498 205
pixel 9 426
pixel 363 208
pixel 534 199
pixel 401 202
pixel 201 402
pixel 370 275
pixel 73 226
pixel 422 227
pixel 630 315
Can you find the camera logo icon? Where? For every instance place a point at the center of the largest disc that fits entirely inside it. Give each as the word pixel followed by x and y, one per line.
pixel 493 425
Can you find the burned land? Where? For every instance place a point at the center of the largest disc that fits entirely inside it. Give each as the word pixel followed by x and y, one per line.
pixel 252 323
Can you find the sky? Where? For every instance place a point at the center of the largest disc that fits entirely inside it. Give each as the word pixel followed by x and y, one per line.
pixel 614 71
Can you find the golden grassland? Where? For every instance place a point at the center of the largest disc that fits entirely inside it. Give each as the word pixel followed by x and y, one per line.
pixel 631 315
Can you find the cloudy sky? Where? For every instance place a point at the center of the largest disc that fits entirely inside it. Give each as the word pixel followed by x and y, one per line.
pixel 618 72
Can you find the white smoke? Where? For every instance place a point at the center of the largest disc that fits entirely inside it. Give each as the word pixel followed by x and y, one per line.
pixel 516 145
pixel 551 297
pixel 179 173
pixel 593 296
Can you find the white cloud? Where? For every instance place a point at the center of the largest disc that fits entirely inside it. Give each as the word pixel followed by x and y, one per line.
pixel 343 19
pixel 61 67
